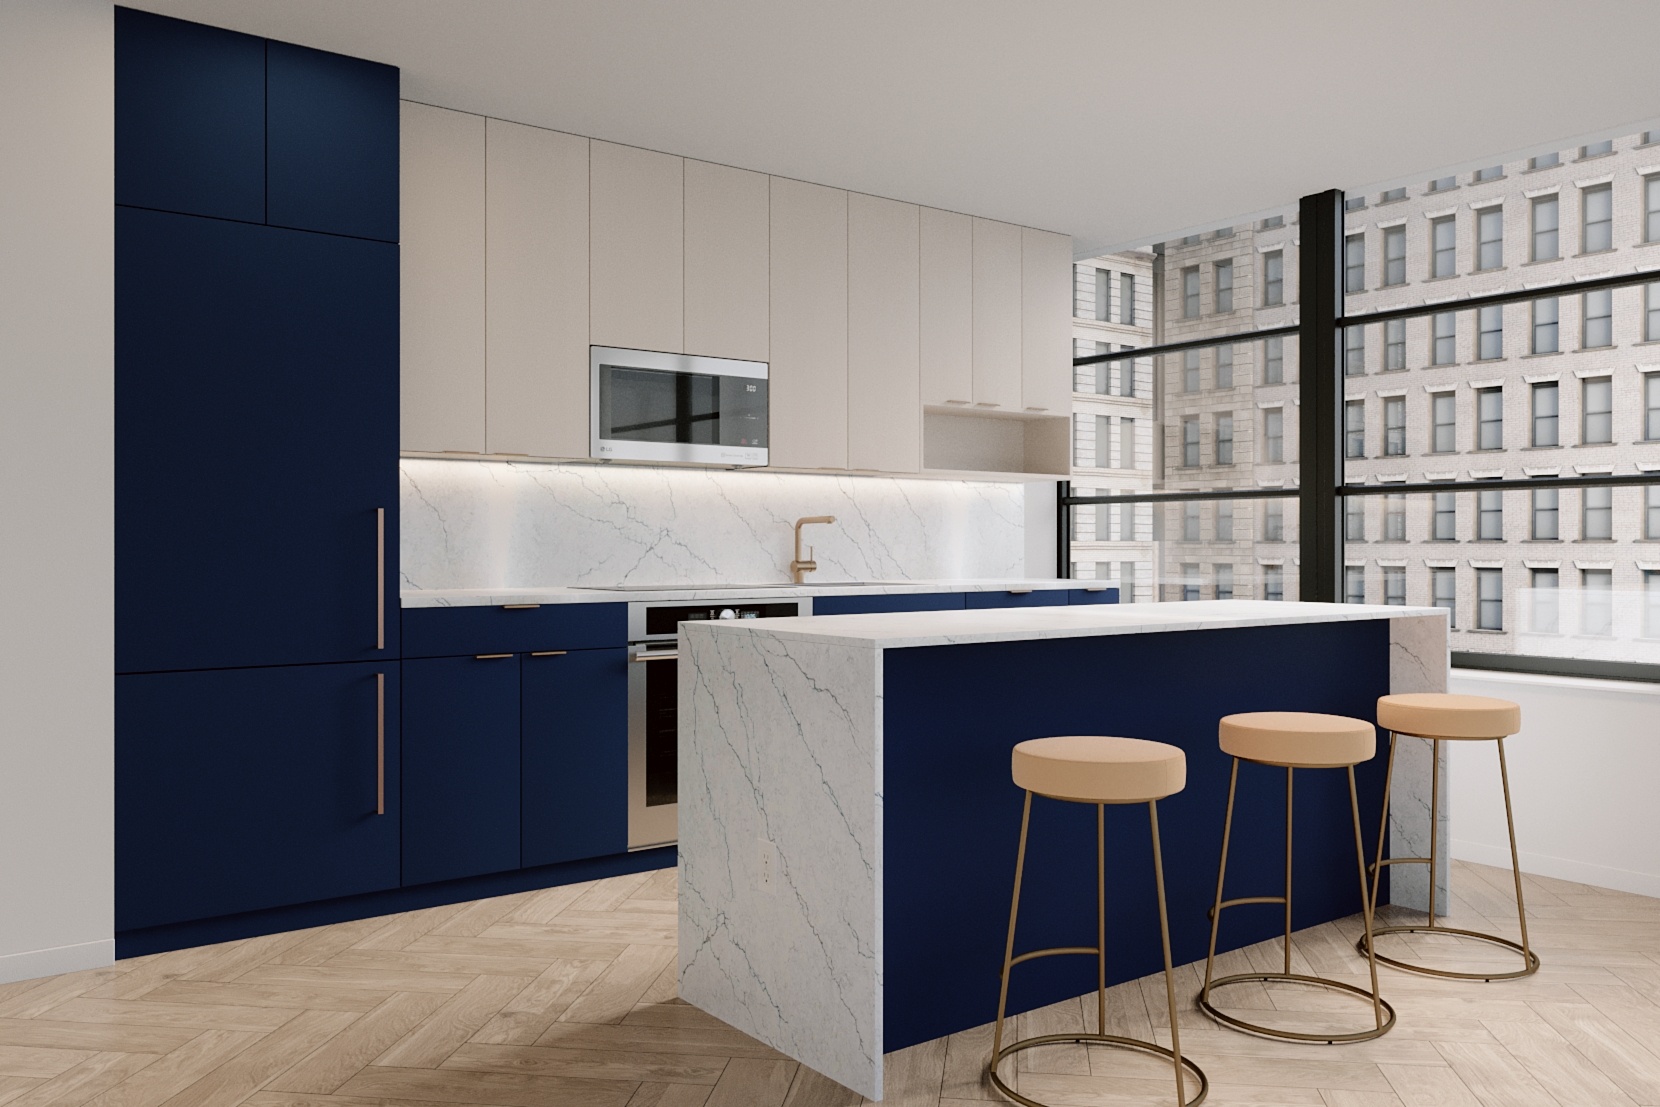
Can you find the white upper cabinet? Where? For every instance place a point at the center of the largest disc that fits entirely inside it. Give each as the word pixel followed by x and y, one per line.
pixel 947 305
pixel 884 380
pixel 1045 322
pixel 726 262
pixel 808 378
pixel 441 197
pixel 537 219
pixel 637 242
pixel 997 308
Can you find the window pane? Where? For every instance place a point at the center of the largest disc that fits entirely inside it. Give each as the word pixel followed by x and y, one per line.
pixel 1545 415
pixel 1443 338
pixel 1209 549
pixel 1394 345
pixel 1545 317
pixel 1546 211
pixel 1598 311
pixel 1394 255
pixel 1224 285
pixel 1443 247
pixel 1599 411
pixel 1490 238
pixel 1598 232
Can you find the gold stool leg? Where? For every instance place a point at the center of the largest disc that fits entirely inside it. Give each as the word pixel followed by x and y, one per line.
pixel 1515 855
pixel 1365 901
pixel 1383 828
pixel 1101 918
pixel 1014 908
pixel 1221 876
pixel 1288 772
pixel 1434 822
pixel 1169 969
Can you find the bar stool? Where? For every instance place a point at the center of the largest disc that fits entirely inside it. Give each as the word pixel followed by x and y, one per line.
pixel 1440 717
pixel 1294 740
pixel 1098 770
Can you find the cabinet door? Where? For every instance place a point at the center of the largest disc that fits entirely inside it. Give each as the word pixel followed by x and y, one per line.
pixel 1047 598
pixel 256 379
pixel 1045 322
pixel 947 304
pixel 245 789
pixel 331 143
pixel 996 315
pixel 1093 595
pixel 884 383
pixel 867 605
pixel 189 117
pixel 637 239
pixel 575 795
pixel 726 262
pixel 460 767
pixel 808 380
pixel 537 348
pixel 441 187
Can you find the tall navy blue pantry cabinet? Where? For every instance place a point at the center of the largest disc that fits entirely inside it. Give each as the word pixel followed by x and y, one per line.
pixel 257 695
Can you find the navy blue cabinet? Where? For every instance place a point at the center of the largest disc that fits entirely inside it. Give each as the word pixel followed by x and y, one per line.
pixel 189 117
pixel 575 735
pixel 246 789
pixel 331 143
pixel 1093 595
pixel 460 767
pixel 443 631
pixel 1047 598
pixel 256 445
pixel 865 605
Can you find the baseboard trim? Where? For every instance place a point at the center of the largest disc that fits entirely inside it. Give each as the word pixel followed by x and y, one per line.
pixel 1562 868
pixel 58 959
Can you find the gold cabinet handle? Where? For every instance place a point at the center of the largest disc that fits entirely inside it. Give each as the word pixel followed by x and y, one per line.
pixel 520 606
pixel 490 656
pixel 1020 591
pixel 380 743
pixel 380 578
pixel 548 653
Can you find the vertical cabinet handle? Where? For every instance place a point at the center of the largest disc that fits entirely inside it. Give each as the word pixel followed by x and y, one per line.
pixel 380 578
pixel 380 743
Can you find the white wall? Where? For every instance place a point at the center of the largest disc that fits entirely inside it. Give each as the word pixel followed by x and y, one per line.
pixel 56 486
pixel 1583 777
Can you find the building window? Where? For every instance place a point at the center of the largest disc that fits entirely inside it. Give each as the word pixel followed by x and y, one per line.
pixel 1354 519
pixel 1224 520
pixel 1394 426
pixel 1103 294
pixel 1273 433
pixel 1442 184
pixel 1354 584
pixel 1545 316
pixel 1445 524
pixel 1394 255
pixel 1546 224
pixel 1126 445
pixel 1597 149
pixel 1190 441
pixel 1273 520
pixel 1354 428
pixel 1490 238
pixel 1190 580
pixel 1443 256
pixel 1651 313
pixel 1651 604
pixel 1547 611
pixel 1190 292
pixel 1082 455
pixel 1490 599
pixel 1224 285
pixel 1546 407
pixel 1126 580
pixel 1273 582
pixel 1598 313
pixel 1273 278
pixel 1490 515
pixel 1126 375
pixel 1103 441
pixel 1443 414
pixel 1491 173
pixel 1599 515
pixel 1651 407
pixel 1190 370
pixel 1224 582
pixel 1443 345
pixel 1394 585
pixel 1394 517
pixel 1598 402
pixel 1490 332
pixel 1354 263
pixel 1394 345
pixel 1190 521
pixel 1126 299
pixel 1544 161
pixel 1651 208
pixel 1596 612
pixel 1354 203
pixel 1273 361
pixel 1354 351
pixel 1224 439
pixel 1224 366
pixel 1489 419
pixel 1651 511
pixel 1391 195
pixel 1098 372
pixel 1443 585
pixel 1597 214
pixel 1546 517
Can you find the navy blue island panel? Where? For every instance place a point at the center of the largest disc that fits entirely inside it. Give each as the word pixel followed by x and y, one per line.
pixel 952 815
pixel 1034 598
pixel 899 601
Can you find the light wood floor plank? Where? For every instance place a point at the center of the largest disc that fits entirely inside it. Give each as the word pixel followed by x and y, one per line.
pixel 247 1072
pixel 315 997
pixel 670 1095
pixel 527 1016
pixel 379 979
pixel 589 1064
pixel 338 1060
pixel 50 992
pixel 496 1088
pixel 480 914
pixel 76 1086
pixel 1558 1067
pixel 402 929
pixel 452 1024
pixel 751 1083
pixel 811 1089
pixel 145 1012
pixel 615 991
pixel 96 1036
pixel 39 1062
pixel 1495 1075
pixel 159 1082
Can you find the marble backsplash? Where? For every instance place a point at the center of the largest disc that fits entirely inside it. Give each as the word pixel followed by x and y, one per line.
pixel 510 524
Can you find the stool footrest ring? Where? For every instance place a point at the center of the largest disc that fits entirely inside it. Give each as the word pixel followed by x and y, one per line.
pixel 1530 960
pixel 1237 1023
pixel 1054 951
pixel 1082 1038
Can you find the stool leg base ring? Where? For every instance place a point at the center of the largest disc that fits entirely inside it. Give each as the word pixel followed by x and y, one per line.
pixel 1530 960
pixel 1237 1023
pixel 1088 1039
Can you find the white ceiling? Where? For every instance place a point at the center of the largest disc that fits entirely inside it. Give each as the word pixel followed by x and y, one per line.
pixel 1116 122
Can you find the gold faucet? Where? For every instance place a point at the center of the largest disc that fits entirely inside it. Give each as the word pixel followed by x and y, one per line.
pixel 800 568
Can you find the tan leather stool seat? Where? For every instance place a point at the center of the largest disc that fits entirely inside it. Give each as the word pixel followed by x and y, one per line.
pixel 1301 739
pixel 1090 768
pixel 1440 715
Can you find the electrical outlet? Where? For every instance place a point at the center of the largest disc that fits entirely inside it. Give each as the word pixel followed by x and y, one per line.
pixel 768 855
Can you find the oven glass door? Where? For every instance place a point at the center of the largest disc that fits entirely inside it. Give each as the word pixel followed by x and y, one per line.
pixel 653 746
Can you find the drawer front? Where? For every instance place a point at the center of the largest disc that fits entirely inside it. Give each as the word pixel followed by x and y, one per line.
pixel 1051 598
pixel 448 631
pixel 1093 595
pixel 867 605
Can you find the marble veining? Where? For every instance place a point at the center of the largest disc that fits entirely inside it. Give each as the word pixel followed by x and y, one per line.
pixel 1418 662
pixel 511 525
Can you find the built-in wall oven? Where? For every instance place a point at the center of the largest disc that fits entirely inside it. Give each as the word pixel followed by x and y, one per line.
pixel 654 704
pixel 651 406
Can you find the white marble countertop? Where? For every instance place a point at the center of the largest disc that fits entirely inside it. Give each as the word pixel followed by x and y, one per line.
pixel 492 597
pixel 945 628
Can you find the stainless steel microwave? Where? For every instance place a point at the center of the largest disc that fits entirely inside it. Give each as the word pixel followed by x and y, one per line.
pixel 650 406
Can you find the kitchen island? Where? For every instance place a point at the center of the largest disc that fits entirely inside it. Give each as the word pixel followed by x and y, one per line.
pixel 848 826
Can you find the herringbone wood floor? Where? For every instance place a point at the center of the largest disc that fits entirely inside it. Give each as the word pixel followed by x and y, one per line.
pixel 567 997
